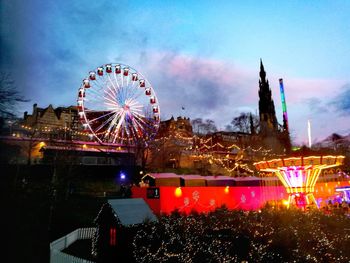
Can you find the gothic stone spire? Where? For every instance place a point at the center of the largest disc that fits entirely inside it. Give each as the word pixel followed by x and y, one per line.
pixel 268 120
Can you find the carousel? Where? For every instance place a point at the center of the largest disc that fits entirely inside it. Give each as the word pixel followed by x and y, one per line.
pixel 299 175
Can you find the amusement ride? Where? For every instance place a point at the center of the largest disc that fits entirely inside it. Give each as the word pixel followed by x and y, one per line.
pixel 118 105
pixel 299 175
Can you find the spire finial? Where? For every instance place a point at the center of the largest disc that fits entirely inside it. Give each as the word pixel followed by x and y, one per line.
pixel 262 71
pixel 261 65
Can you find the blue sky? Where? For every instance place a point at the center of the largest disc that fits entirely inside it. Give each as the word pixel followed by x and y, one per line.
pixel 205 54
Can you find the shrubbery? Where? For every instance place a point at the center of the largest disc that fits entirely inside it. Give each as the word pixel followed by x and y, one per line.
pixel 235 236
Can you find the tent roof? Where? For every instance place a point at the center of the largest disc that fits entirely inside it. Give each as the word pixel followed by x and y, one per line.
pixel 216 178
pixel 248 178
pixel 193 177
pixel 163 175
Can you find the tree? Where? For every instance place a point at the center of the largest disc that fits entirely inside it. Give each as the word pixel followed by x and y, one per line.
pixel 9 98
pixel 202 128
pixel 245 122
pixel 209 126
pixel 197 126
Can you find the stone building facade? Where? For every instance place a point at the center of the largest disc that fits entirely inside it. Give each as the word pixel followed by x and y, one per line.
pixel 51 118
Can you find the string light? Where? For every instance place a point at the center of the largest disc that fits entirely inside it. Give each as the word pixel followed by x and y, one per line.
pixel 239 236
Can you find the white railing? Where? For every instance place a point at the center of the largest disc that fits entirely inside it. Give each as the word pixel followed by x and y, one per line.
pixel 56 247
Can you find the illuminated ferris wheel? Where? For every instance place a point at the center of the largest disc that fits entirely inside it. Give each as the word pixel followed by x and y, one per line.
pixel 117 104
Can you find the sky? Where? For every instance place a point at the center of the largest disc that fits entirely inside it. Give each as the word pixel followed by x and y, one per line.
pixel 202 56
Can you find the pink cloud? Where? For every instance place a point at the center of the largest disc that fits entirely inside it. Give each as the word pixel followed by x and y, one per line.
pixel 216 89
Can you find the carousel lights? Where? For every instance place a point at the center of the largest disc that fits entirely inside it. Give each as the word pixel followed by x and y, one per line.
pixel 299 174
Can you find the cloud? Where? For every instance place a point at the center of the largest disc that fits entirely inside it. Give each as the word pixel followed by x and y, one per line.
pixel 51 46
pixel 207 88
pixel 300 90
pixel 342 101
pixel 316 105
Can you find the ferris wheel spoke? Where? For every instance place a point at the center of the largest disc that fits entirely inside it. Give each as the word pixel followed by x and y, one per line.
pixel 128 135
pixel 117 127
pixel 116 108
pixel 102 116
pixel 138 112
pixel 139 120
pixel 99 84
pixel 135 104
pixel 123 135
pixel 115 89
pixel 110 93
pixel 97 96
pixel 124 93
pixel 133 94
pixel 109 120
pixel 105 83
pixel 122 79
pixel 127 80
pixel 136 93
pixel 112 102
pixel 94 91
pixel 117 119
pixel 137 126
pixel 133 135
pixel 116 80
pixel 139 115
pixel 109 131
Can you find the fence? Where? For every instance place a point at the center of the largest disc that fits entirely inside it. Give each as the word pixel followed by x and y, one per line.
pixel 56 247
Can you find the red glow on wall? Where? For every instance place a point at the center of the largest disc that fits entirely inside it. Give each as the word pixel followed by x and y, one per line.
pixel 205 199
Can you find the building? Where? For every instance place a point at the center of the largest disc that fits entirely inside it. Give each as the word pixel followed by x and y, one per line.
pixel 168 150
pixel 273 134
pixel 51 118
pixel 180 126
pixel 267 114
pixel 55 123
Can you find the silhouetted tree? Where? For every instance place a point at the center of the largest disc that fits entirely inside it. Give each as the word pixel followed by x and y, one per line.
pixel 197 126
pixel 201 127
pixel 9 98
pixel 209 126
pixel 245 122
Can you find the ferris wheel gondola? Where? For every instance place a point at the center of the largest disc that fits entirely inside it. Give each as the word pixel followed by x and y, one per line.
pixel 118 105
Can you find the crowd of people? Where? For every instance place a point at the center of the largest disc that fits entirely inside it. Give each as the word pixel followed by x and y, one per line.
pixel 267 235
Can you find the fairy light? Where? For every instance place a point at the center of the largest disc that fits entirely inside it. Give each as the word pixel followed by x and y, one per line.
pixel 299 174
pixel 179 238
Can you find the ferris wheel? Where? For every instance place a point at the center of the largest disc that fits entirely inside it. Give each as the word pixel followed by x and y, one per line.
pixel 118 105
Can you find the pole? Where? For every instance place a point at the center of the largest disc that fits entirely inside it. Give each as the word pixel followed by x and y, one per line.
pixel 309 132
pixel 284 106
